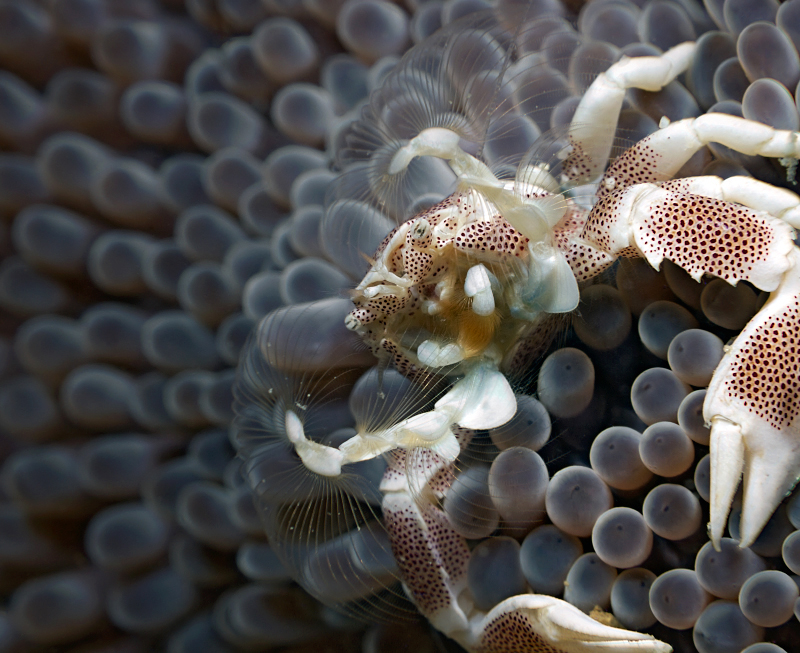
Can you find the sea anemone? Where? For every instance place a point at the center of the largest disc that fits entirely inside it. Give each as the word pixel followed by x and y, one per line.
pixel 176 175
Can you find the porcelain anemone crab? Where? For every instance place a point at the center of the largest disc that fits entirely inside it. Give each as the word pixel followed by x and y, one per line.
pixel 467 288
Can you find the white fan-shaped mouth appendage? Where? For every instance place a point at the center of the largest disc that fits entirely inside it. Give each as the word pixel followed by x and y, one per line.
pixel 302 372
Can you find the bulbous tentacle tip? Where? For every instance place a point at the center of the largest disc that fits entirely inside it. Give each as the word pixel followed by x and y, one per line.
pixel 531 622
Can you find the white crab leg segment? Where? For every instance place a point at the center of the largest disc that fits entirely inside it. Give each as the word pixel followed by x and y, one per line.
pixel 432 559
pixel 483 399
pixel 595 121
pixel 317 457
pixel 432 354
pixel 661 154
pixel 534 217
pixel 529 622
pixel 701 234
pixel 753 405
pixel 443 144
pixel 378 272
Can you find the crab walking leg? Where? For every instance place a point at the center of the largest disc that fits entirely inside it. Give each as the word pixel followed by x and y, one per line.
pixel 591 131
pixel 433 561
pixel 483 399
pixel 661 154
pixel 595 121
pixel 753 405
pixel 534 217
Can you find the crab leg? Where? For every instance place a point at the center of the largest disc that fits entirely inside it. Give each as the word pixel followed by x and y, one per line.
pixel 661 154
pixel 753 405
pixel 703 235
pixel 753 401
pixel 595 121
pixel 482 399
pixel 526 622
pixel 433 561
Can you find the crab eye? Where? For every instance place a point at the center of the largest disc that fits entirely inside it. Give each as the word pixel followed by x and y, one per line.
pixel 421 229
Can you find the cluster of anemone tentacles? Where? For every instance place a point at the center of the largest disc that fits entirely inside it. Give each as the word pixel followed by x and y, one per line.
pixel 164 166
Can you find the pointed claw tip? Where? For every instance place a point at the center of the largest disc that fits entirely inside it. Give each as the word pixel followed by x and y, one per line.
pixel 750 530
pixel 715 533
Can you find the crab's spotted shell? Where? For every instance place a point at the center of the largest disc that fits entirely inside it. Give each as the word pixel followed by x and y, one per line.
pixel 702 233
pixel 496 236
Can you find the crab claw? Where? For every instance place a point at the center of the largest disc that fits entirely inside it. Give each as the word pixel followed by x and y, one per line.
pixel 534 622
pixel 433 560
pixel 753 405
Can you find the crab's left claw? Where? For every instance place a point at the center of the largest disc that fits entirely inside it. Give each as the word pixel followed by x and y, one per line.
pixel 534 622
pixel 753 405
pixel 434 560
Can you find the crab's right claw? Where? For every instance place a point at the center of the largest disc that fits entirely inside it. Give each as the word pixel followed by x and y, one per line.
pixel 753 405
pixel 534 622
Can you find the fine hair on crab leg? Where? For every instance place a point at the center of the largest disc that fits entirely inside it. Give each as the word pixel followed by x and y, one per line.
pixel 753 406
pixel 314 458
pixel 303 372
pixel 444 143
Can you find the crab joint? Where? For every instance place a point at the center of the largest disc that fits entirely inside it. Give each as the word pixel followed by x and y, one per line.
pixel 551 286
pixel 319 458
